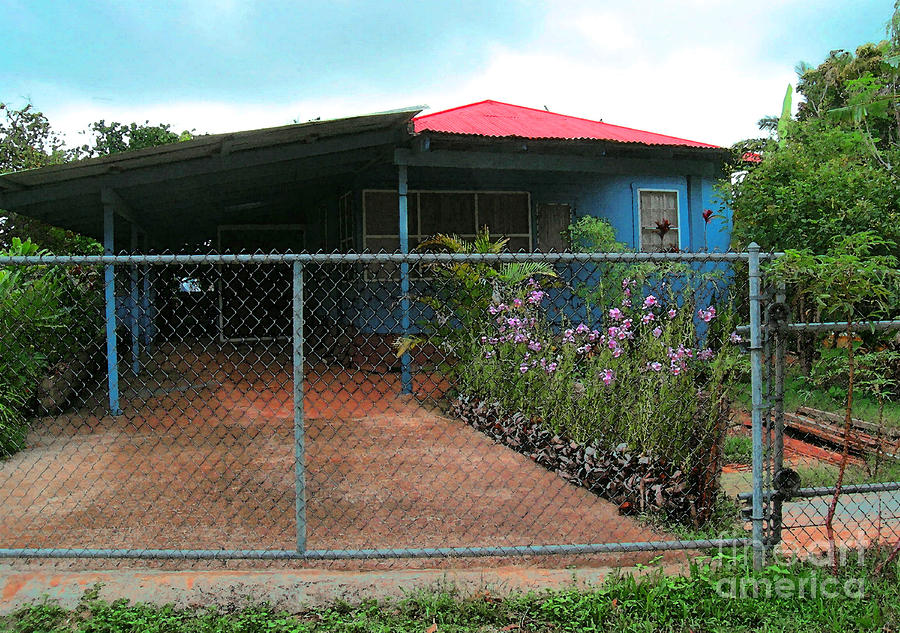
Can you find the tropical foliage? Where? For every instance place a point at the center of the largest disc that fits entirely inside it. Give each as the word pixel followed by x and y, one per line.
pixel 47 313
pixel 833 170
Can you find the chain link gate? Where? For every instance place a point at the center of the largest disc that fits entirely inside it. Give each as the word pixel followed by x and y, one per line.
pixel 788 513
pixel 379 406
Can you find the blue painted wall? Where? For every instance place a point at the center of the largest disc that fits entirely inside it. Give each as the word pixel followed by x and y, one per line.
pixel 613 197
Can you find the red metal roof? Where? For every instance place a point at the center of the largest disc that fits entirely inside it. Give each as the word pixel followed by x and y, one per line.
pixel 751 157
pixel 493 118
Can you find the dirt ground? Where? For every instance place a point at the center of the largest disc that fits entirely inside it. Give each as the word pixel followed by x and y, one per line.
pixel 202 458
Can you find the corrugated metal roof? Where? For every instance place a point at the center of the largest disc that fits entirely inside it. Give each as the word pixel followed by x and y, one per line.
pixel 204 146
pixel 496 119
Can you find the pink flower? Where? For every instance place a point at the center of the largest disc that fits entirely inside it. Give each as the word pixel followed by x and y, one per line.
pixel 535 297
pixel 650 301
pixel 523 368
pixel 581 329
pixel 569 336
pixel 615 314
pixel 707 315
pixel 613 344
pixel 706 354
pixel 551 368
pixel 654 366
pixel 489 354
pixel 626 302
pixel 618 352
pixel 672 312
pixel 735 338
pixel 517 302
pixel 647 318
pixel 657 332
pixel 607 376
pixel 675 369
pixel 534 346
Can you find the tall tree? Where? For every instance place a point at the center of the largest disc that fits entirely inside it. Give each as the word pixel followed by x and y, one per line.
pixel 27 140
pixel 117 137
pixel 834 170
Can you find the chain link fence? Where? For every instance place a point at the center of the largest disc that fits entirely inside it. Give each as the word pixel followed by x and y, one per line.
pixel 831 477
pixel 390 407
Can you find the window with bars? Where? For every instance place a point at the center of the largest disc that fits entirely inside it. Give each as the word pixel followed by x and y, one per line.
pixel 658 216
pixel 461 213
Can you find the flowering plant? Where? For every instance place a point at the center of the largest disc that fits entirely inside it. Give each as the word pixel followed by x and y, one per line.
pixel 642 374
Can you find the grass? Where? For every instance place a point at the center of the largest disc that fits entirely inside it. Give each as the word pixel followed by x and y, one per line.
pixel 738 449
pixel 824 474
pixel 724 523
pixel 695 601
pixel 798 393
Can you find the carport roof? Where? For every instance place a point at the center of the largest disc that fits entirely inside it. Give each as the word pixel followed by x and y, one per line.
pixel 162 184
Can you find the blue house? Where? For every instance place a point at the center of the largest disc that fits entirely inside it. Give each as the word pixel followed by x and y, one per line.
pixel 369 183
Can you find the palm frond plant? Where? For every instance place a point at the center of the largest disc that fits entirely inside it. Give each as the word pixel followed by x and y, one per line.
pixel 459 293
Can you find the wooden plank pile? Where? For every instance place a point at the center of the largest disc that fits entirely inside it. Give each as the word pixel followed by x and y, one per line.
pixel 866 438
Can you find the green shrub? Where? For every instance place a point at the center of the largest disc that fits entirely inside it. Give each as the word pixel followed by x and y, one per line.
pixel 738 449
pixel 47 314
pixel 644 378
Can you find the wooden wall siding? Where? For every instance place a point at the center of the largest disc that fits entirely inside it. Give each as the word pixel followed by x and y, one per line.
pixel 552 220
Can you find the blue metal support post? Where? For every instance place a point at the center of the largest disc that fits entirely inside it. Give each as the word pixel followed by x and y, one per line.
pixel 759 551
pixel 405 360
pixel 135 307
pixel 109 279
pixel 145 298
pixel 299 430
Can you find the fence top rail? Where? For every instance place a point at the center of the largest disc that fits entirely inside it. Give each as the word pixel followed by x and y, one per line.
pixel 834 326
pixel 371 258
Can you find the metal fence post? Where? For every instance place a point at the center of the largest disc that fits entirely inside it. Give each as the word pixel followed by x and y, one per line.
pixel 109 292
pixel 402 195
pixel 757 518
pixel 778 413
pixel 299 430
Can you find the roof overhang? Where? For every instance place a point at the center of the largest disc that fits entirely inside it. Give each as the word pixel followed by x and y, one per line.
pixel 171 184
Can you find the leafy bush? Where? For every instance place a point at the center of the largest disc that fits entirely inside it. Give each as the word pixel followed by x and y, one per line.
pixel 462 291
pixel 47 314
pixel 738 449
pixel 638 379
pixel 604 287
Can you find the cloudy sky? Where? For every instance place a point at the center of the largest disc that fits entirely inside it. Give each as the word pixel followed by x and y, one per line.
pixel 699 69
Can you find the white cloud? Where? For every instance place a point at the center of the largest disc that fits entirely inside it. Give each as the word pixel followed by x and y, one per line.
pixel 602 31
pixel 648 65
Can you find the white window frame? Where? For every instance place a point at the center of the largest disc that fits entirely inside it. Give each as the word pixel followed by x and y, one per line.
pixel 641 227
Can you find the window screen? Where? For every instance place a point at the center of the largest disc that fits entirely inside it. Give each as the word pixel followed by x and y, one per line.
pixel 659 221
pixel 460 213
